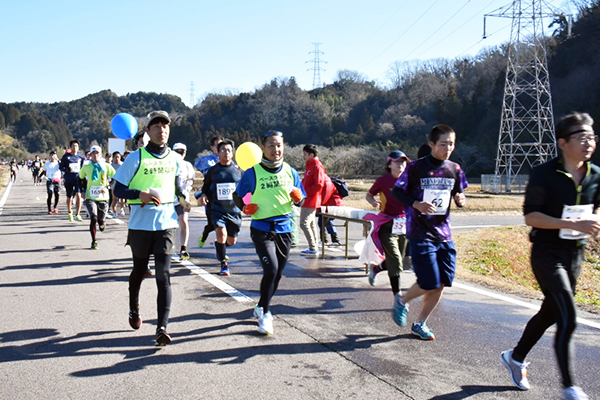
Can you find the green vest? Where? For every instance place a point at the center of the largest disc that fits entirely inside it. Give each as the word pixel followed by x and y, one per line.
pixel 155 175
pixel 272 192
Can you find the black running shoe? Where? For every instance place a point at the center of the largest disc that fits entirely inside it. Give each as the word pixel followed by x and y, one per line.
pixel 162 337
pixel 135 321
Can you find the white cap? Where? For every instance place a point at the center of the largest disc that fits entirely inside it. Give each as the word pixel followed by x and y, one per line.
pixel 178 146
pixel 96 148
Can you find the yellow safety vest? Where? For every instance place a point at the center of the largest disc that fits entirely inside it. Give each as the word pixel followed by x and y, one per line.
pixel 156 174
pixel 272 191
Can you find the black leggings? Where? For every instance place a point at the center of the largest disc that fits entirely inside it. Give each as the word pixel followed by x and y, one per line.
pixel 272 250
pixel 556 269
pixel 162 265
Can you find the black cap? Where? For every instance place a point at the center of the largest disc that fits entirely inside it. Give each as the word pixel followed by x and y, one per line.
pixel 397 154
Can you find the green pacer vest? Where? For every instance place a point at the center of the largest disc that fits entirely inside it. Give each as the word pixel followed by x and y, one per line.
pixel 272 192
pixel 155 173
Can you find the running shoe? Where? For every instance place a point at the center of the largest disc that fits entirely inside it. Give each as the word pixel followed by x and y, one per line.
pixel 399 310
pixel 421 330
pixel 201 242
pixel 94 245
pixel 518 371
pixel 574 393
pixel 101 227
pixel 148 273
pixel 115 215
pixel 135 321
pixel 162 337
pixel 258 312
pixel 49 212
pixel 184 255
pixel 122 212
pixel 70 216
pixel 224 269
pixel 373 271
pixel 309 252
pixel 265 323
pixel 78 218
pixel 55 210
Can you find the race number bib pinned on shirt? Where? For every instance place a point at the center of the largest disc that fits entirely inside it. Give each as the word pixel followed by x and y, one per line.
pixel 225 191
pixel 74 167
pixel 584 211
pixel 399 227
pixel 439 198
pixel 96 192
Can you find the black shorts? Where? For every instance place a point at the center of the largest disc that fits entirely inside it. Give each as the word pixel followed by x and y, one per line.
pixel 144 243
pixel 52 187
pixel 179 210
pixel 72 186
pixel 230 221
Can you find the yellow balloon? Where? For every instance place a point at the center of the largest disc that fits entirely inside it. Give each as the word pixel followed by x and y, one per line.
pixel 248 155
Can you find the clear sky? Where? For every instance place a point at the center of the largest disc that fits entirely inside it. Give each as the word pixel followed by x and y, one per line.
pixel 63 50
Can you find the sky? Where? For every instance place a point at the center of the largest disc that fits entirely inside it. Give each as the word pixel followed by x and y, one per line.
pixel 64 50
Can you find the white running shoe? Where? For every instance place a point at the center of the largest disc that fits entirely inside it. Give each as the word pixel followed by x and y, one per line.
pixel 122 212
pixel 518 371
pixel 265 323
pixel 258 312
pixel 574 393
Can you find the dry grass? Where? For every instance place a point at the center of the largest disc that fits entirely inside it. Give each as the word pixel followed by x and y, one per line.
pixel 499 258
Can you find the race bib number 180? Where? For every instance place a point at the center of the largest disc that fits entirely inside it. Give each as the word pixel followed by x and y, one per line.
pixel 439 198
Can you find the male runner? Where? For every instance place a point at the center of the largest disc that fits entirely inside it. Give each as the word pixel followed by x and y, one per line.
pixel 560 199
pixel 219 185
pixel 426 188
pixel 274 185
pixel 148 180
pixel 186 176
pixel 96 173
pixel 203 164
pixel 53 177
pixel 36 166
pixel 70 164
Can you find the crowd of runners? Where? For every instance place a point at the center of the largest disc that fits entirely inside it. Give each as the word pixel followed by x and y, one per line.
pixel 413 199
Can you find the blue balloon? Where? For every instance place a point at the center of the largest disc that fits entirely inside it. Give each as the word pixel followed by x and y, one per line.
pixel 124 126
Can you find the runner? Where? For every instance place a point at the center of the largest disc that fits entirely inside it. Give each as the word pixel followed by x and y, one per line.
pixel 116 163
pixel 53 176
pixel 389 233
pixel 560 198
pixel 274 185
pixel 70 164
pixel 148 180
pixel 203 164
pixel 187 176
pixel 36 165
pixel 313 183
pixel 218 188
pixel 14 168
pixel 96 173
pixel 426 187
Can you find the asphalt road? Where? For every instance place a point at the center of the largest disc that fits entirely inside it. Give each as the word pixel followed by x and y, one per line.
pixel 65 332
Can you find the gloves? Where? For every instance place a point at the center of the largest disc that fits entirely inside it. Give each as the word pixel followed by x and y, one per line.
pixel 250 209
pixel 296 195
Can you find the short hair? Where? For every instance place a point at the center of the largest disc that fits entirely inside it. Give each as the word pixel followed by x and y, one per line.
pixel 114 154
pixel 226 142
pixel 424 150
pixel 564 125
pixel 438 131
pixel 73 141
pixel 215 140
pixel 311 149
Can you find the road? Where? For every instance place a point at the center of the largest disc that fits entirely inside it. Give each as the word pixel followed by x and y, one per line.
pixel 65 332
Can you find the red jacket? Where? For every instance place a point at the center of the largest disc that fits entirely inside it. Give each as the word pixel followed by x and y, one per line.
pixel 313 182
pixel 330 195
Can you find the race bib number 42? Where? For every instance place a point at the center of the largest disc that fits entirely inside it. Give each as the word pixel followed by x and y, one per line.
pixel 439 198
pixel 225 191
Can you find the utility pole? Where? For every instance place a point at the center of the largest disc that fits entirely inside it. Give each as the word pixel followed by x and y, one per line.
pixel 526 135
pixel 192 96
pixel 316 65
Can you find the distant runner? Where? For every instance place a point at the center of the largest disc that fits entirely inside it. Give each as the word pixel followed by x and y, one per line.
pixel 53 177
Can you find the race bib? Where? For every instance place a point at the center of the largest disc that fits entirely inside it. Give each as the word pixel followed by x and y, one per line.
pixel 439 198
pixel 96 192
pixel 399 227
pixel 156 192
pixel 225 191
pixel 74 167
pixel 584 211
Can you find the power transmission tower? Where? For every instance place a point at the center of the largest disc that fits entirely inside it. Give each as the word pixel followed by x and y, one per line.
pixel 316 66
pixel 192 96
pixel 526 134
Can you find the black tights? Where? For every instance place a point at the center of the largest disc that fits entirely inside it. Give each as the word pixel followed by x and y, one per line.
pixel 272 250
pixel 49 199
pixel 162 265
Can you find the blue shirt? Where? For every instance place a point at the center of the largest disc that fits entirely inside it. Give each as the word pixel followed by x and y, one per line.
pixel 281 223
pixel 150 217
pixel 203 164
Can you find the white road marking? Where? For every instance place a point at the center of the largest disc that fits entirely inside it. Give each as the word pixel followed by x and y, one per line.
pixel 507 299
pixel 5 196
pixel 213 280
pixel 473 226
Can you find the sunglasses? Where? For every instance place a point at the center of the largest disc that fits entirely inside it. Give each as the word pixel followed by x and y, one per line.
pixel 272 133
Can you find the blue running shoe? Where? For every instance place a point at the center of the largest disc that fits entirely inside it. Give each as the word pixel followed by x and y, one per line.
pixel 224 269
pixel 399 311
pixel 421 330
